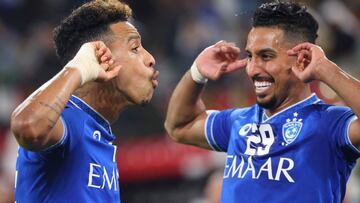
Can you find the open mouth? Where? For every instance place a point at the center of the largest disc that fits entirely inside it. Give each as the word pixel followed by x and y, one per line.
pixel 262 85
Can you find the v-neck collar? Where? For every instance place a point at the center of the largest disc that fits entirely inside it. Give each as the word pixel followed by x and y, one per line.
pixel 80 104
pixel 312 99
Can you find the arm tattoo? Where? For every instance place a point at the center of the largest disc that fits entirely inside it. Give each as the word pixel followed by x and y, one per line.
pixel 51 123
pixel 59 103
pixel 51 107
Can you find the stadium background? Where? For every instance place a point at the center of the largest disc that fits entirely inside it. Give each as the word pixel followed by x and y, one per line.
pixel 153 168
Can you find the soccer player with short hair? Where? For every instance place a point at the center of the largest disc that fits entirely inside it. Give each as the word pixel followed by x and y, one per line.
pixel 63 128
pixel 290 146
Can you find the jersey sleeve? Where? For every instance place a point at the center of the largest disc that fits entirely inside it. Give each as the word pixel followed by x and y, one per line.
pixel 58 148
pixel 217 129
pixel 338 122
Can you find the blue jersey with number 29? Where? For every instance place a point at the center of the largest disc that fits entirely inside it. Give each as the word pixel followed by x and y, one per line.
pixel 301 154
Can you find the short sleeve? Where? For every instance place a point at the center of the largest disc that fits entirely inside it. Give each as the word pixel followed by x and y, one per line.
pixel 217 129
pixel 349 150
pixel 58 148
pixel 338 124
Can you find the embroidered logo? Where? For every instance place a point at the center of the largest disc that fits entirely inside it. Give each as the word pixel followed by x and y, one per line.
pixel 245 129
pixel 97 135
pixel 291 129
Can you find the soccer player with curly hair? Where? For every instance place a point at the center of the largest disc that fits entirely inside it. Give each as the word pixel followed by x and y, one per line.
pixel 66 149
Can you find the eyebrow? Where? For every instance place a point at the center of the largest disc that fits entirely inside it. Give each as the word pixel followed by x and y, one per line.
pixel 132 37
pixel 259 52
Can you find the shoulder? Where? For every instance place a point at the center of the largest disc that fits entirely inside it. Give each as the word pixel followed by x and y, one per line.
pixel 329 114
pixel 243 112
pixel 234 113
pixel 323 108
pixel 74 117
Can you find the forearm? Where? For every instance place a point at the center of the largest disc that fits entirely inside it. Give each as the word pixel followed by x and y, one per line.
pixel 185 103
pixel 40 112
pixel 347 87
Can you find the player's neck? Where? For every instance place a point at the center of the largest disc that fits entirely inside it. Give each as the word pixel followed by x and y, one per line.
pixel 288 101
pixel 103 99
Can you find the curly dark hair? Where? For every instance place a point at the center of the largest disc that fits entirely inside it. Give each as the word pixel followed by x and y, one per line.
pixel 89 22
pixel 291 17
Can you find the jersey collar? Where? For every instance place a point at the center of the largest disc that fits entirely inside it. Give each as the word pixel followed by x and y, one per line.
pixel 312 99
pixel 80 104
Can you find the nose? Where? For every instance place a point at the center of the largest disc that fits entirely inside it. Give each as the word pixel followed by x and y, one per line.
pixel 253 68
pixel 149 59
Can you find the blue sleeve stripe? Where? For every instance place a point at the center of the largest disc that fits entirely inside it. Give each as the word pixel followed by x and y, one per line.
pixel 209 131
pixel 348 141
pixel 61 141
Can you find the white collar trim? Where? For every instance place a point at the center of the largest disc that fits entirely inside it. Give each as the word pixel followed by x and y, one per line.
pixel 291 106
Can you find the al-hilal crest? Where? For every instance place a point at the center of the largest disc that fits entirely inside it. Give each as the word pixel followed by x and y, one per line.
pixel 291 129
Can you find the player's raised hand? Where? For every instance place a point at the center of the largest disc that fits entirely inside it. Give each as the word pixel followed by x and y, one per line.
pixel 310 58
pixel 94 62
pixel 218 59
pixel 108 69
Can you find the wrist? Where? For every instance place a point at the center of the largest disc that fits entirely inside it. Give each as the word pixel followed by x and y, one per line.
pixel 74 76
pixel 196 75
pixel 327 71
pixel 86 63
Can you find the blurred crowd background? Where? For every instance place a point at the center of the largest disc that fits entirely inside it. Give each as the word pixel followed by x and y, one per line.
pixel 153 168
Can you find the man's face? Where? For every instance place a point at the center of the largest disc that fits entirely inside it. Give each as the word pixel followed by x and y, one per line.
pixel 137 78
pixel 269 67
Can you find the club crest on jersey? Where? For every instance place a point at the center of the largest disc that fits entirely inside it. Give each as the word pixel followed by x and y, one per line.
pixel 291 129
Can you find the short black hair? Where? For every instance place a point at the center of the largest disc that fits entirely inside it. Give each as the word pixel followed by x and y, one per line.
pixel 89 22
pixel 291 17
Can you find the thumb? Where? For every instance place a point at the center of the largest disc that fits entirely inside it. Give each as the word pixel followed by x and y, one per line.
pixel 110 74
pixel 298 72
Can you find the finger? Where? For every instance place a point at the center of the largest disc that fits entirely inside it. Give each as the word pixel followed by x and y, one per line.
pixel 302 46
pixel 291 52
pixel 237 65
pixel 299 64
pixel 104 66
pixel 296 71
pixel 108 52
pixel 103 58
pixel 216 50
pixel 230 44
pixel 99 44
pixel 107 75
pixel 218 72
pixel 300 57
pixel 230 49
pixel 219 43
pixel 229 53
pixel 307 54
pixel 107 56
pixel 228 56
pixel 100 52
pixel 112 73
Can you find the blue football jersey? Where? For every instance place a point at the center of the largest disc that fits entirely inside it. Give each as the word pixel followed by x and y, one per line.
pixel 80 168
pixel 301 154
